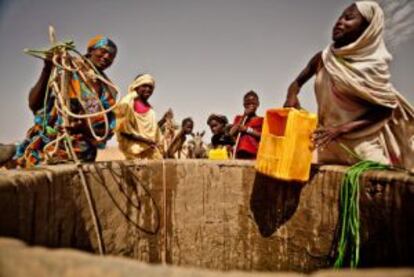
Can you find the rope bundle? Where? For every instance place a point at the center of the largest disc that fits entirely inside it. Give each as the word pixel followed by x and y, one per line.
pixel 64 64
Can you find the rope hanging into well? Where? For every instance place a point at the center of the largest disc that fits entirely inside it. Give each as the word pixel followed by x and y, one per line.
pixel 64 64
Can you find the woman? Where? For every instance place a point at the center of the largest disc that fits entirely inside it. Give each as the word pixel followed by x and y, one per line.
pixel 86 95
pixel 358 107
pixel 137 130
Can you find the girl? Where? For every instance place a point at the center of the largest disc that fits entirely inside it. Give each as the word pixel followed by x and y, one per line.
pixel 357 105
pixel 218 125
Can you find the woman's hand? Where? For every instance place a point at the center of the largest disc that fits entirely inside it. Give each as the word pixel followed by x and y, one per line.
pixel 292 101
pixel 48 60
pixel 324 136
pixel 151 143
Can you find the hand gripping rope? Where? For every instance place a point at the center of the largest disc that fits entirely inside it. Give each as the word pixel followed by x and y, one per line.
pixel 63 65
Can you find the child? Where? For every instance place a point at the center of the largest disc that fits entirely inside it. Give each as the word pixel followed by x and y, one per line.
pixel 218 125
pixel 177 148
pixel 247 128
pixel 137 131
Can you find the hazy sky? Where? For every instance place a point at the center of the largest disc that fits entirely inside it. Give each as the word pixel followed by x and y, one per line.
pixel 204 54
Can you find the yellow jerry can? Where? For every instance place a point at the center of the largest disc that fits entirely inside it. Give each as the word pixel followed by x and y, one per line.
pixel 218 154
pixel 285 146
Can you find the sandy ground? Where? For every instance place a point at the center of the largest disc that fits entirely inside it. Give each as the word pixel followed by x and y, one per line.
pixel 111 153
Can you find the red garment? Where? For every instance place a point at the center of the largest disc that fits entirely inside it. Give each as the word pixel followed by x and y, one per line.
pixel 140 107
pixel 249 144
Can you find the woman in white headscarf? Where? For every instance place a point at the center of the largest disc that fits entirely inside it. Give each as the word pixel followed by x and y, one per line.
pixel 357 105
pixel 137 130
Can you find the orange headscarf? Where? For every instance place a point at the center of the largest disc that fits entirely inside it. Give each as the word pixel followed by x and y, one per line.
pixel 101 41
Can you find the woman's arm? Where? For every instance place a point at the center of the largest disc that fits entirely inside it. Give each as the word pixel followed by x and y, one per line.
pixel 139 139
pixel 37 93
pixel 324 136
pixel 294 88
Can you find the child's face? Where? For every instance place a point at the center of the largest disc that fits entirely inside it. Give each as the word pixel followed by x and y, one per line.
pixel 216 127
pixel 349 26
pixel 188 127
pixel 144 91
pixel 250 104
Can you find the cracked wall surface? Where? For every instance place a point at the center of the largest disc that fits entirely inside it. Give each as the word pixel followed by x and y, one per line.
pixel 200 213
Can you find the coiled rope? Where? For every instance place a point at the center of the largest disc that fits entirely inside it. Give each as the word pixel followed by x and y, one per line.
pixel 63 65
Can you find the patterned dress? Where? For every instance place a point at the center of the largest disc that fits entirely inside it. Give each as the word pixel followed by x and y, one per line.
pixel 48 123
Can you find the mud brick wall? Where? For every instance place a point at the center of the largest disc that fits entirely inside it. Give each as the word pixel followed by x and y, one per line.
pixel 216 215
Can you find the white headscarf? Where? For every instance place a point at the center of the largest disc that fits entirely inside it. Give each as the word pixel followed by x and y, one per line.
pixel 137 124
pixel 361 68
pixel 360 71
pixel 145 79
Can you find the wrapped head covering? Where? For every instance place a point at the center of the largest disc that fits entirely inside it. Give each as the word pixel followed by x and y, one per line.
pixel 360 71
pixel 144 79
pixel 362 66
pixel 137 124
pixel 100 41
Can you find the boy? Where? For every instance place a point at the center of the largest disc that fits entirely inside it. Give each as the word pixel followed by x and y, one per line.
pixel 247 128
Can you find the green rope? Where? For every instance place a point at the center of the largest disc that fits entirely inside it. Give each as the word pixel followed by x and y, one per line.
pixel 349 241
pixel 45 52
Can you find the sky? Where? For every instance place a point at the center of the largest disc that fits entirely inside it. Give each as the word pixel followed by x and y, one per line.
pixel 204 54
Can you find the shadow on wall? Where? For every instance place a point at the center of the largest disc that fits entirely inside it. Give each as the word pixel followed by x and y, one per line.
pixel 273 202
pixel 132 191
pixel 40 208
